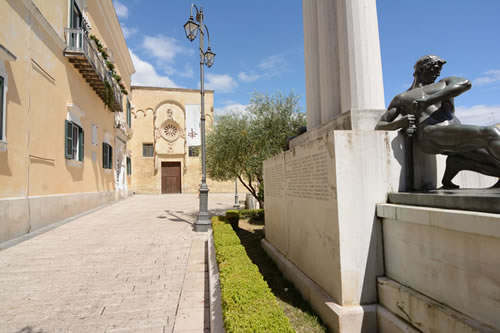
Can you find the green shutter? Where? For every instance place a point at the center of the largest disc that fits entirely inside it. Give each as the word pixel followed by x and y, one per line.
pixel 110 156
pixel 1 106
pixel 68 140
pixel 104 156
pixel 129 166
pixel 129 115
pixel 80 144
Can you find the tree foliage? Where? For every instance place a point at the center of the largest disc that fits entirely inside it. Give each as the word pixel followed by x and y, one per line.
pixel 239 143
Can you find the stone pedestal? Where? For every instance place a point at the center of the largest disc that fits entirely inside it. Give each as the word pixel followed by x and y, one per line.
pixel 441 265
pixel 320 217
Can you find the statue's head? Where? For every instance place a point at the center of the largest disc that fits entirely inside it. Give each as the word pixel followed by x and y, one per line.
pixel 428 68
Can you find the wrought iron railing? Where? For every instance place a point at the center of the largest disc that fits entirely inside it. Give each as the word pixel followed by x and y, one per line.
pixel 78 43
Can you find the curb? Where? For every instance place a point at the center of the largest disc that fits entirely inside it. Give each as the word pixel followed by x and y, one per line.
pixel 216 322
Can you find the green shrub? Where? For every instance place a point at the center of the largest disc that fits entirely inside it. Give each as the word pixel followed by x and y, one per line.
pixel 233 217
pixel 253 215
pixel 248 304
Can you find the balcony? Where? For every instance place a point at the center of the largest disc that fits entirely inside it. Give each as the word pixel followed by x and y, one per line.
pixel 83 54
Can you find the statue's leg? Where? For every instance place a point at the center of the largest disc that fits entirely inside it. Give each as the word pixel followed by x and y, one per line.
pixel 463 138
pixel 453 167
pixel 477 160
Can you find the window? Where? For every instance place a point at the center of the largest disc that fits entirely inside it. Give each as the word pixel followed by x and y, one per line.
pixel 194 151
pixel 76 17
pixel 107 156
pixel 129 114
pixel 74 141
pixel 2 111
pixel 147 149
pixel 129 166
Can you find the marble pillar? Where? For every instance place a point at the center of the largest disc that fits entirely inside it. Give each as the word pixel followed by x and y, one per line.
pixel 342 59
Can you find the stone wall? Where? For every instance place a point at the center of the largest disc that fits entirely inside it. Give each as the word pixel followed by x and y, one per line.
pixel 19 216
pixel 448 262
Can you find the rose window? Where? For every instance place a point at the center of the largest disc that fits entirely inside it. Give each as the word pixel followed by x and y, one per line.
pixel 170 130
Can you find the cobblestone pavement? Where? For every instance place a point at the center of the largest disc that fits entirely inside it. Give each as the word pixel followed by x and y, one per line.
pixel 134 266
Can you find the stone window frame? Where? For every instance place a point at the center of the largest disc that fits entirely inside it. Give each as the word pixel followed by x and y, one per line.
pixel 74 141
pixel 148 145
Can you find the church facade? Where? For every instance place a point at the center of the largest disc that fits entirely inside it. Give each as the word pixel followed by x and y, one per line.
pixel 165 154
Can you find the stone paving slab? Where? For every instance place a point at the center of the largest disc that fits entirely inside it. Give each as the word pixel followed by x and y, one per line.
pixel 134 266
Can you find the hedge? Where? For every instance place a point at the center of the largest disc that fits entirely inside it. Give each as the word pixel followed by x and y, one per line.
pixel 252 214
pixel 233 217
pixel 248 305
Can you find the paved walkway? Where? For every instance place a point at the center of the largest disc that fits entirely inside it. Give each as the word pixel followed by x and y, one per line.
pixel 134 266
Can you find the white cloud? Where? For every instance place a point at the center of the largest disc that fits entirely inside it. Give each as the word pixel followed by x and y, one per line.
pixel 121 9
pixel 274 64
pixel 220 82
pixel 146 75
pixel 479 114
pixel 164 48
pixel 489 77
pixel 230 107
pixel 127 32
pixel 250 77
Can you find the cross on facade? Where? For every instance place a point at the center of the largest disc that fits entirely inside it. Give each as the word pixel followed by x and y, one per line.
pixel 192 133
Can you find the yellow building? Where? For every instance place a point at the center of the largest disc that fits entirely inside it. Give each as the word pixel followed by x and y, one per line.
pixel 165 147
pixel 63 128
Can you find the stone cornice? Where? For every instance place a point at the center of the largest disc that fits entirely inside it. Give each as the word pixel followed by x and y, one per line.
pixel 170 89
pixel 119 45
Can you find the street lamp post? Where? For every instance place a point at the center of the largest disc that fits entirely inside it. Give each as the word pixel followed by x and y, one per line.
pixel 206 58
pixel 236 202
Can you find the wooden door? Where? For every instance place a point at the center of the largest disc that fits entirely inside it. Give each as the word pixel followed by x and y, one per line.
pixel 170 177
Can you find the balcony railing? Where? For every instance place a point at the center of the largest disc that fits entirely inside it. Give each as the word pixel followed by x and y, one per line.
pixel 83 54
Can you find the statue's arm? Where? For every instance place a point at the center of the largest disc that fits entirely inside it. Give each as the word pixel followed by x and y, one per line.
pixel 454 87
pixel 389 121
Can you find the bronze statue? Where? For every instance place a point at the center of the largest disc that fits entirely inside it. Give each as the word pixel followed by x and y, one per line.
pixel 429 105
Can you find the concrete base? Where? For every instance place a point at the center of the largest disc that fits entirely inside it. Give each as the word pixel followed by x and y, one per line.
pixel 197 227
pixel 481 200
pixel 448 255
pixel 361 318
pixel 20 216
pixel 415 309
pixel 388 322
pixel 216 321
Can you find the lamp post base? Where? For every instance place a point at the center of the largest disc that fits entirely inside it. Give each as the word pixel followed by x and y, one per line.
pixel 203 222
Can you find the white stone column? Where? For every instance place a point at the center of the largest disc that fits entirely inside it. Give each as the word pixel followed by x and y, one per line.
pixel 311 59
pixel 329 72
pixel 359 55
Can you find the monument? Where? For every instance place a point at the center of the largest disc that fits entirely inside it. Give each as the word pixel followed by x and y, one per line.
pixel 326 199
pixel 438 131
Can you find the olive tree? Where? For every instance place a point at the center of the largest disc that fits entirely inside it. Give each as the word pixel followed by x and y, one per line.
pixel 240 142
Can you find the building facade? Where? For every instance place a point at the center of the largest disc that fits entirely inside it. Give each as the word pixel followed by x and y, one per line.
pixel 64 77
pixel 165 147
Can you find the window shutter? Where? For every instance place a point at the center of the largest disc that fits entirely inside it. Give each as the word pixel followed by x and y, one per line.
pixel 110 163
pixel 129 114
pixel 68 139
pixel 104 156
pixel 80 144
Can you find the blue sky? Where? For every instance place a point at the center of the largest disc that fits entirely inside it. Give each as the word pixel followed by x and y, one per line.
pixel 260 47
